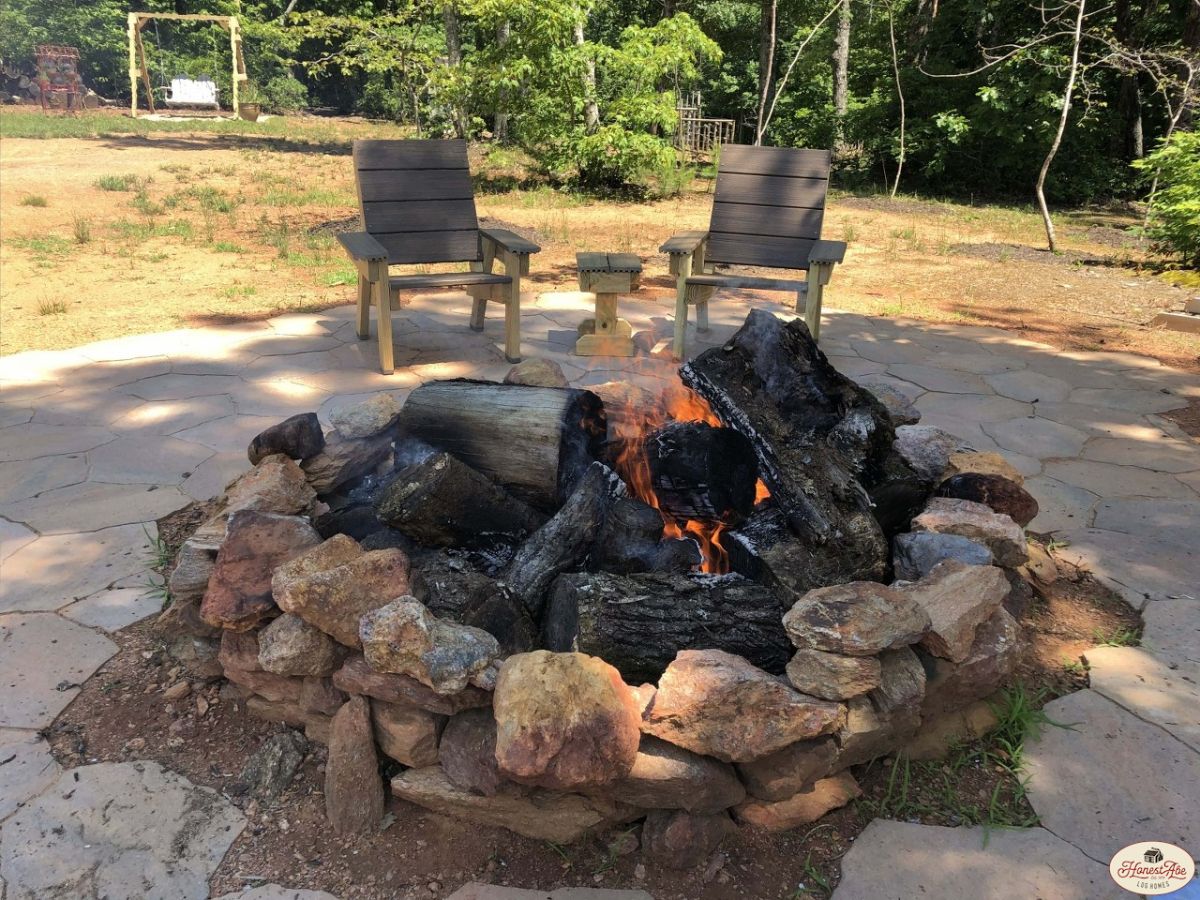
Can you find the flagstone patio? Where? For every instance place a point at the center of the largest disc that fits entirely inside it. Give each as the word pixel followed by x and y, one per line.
pixel 99 441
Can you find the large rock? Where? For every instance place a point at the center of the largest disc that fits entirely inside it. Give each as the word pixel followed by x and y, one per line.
pixel 375 415
pixel 856 619
pixel 564 721
pixel 717 704
pixel 832 676
pixel 405 638
pixel 998 533
pixel 537 372
pixel 926 449
pixel 682 840
pixel 668 777
pixel 290 646
pixel 297 437
pixel 895 401
pixel 1000 494
pixel 275 485
pixel 356 677
pixel 992 658
pixel 274 764
pixel 353 788
pixel 886 718
pixel 194 564
pixel 407 734
pixel 984 463
pixel 468 752
pixel 915 554
pixel 318 695
pixel 959 598
pixel 540 814
pixel 344 459
pixel 334 585
pixel 785 772
pixel 801 808
pixel 316 727
pixel 239 591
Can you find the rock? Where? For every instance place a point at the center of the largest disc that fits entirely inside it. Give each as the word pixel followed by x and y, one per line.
pixel 194 565
pixel 717 704
pixel 273 765
pixel 682 840
pixel 375 415
pixel 285 712
pixel 539 814
pixel 959 598
pixel 987 463
pixel 276 688
pixel 344 460
pixel 668 777
pixel 856 619
pixel 899 407
pixel 177 691
pixel 997 532
pixel 239 650
pixel 275 485
pixel 407 734
pixel 785 772
pixel 801 808
pixel 239 593
pixel 994 491
pixel 564 721
pixel 297 437
pixel 290 646
pixel 938 736
pixel 198 655
pixel 353 789
pixel 886 718
pixel 318 695
pixel 926 449
pixel 1041 566
pixel 537 372
pixel 356 677
pixel 993 656
pixel 915 554
pixel 405 638
pixel 274 891
pixel 468 752
pixel 335 598
pixel 832 676
pixel 451 589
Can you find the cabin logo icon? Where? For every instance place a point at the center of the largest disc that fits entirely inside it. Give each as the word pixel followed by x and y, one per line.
pixel 1153 855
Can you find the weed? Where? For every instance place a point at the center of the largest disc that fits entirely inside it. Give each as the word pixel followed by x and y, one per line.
pixel 116 182
pixel 1119 637
pixel 568 863
pixel 239 290
pixel 341 275
pixel 849 233
pixel 142 203
pixel 43 245
pixel 818 887
pixel 51 308
pixel 1074 666
pixel 160 559
pixel 34 200
pixel 277 235
pixel 213 199
pixel 228 247
pixel 82 229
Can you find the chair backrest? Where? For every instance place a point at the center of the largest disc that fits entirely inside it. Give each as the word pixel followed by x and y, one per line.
pixel 768 206
pixel 417 199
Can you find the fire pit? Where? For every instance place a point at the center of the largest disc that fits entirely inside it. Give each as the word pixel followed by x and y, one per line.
pixel 557 609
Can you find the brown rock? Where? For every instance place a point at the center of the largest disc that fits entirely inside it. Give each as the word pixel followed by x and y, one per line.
pixel 404 638
pixel 884 720
pixel 993 657
pixel 563 721
pixel 999 533
pixel 958 598
pixel 239 650
pixel 353 789
pixel 275 485
pixel 290 646
pixel 318 695
pixel 375 415
pixel 802 808
pixel 239 591
pixel 335 597
pixel 785 772
pixel 856 619
pixel 345 459
pixel 1041 566
pixel 537 372
pixel 681 840
pixel 297 437
pixel 717 704
pixel 995 491
pixel 938 736
pixel 279 688
pixel 468 752
pixel 285 712
pixel 986 463
pixel 832 676
pixel 356 677
pixel 407 734
pixel 668 777
pixel 194 564
pixel 539 814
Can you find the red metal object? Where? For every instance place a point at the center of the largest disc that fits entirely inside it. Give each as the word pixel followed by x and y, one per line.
pixel 58 73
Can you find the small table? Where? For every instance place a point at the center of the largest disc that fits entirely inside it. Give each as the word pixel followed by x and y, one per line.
pixel 607 275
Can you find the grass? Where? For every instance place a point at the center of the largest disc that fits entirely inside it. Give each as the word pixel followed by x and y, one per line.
pixel 51 308
pixel 1120 637
pixel 160 560
pixel 34 200
pixel 42 245
pixel 141 231
pixel 116 182
pixel 228 247
pixel 81 228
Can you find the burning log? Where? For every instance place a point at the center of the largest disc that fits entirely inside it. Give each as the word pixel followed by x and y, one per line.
pixel 699 471
pixel 630 539
pixel 639 622
pixel 534 441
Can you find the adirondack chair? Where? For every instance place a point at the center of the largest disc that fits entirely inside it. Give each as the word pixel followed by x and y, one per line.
pixel 767 212
pixel 418 206
pixel 200 91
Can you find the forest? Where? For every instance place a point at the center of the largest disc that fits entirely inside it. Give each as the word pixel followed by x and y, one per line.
pixel 978 99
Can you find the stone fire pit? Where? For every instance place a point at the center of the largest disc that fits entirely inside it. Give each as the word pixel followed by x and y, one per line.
pixel 559 610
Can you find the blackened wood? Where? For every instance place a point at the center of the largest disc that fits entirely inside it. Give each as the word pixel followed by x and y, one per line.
pixel 454 589
pixel 630 540
pixel 898 494
pixel 534 441
pixel 699 471
pixel 639 622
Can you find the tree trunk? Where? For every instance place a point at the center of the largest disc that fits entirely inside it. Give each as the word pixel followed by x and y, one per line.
pixel 1072 74
pixel 639 622
pixel 766 64
pixel 500 131
pixel 841 72
pixel 1130 143
pixel 454 58
pixel 591 111
pixel 899 96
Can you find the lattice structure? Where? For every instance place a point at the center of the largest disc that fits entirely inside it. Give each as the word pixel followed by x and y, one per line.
pixel 695 133
pixel 58 73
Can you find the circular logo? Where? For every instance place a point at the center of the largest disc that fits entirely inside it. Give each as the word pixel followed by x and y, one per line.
pixel 1151 867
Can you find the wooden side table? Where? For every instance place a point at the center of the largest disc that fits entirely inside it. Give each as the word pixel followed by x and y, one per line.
pixel 607 275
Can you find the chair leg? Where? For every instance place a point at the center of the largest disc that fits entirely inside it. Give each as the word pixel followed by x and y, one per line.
pixel 383 301
pixel 512 311
pixel 818 276
pixel 681 312
pixel 363 327
pixel 478 311
pixel 702 317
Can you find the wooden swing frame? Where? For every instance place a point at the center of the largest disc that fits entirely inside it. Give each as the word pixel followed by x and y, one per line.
pixel 137 53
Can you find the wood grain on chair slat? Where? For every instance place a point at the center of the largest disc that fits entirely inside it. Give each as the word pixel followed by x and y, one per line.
pixel 446 279
pixel 381 185
pixel 770 190
pixel 777 221
pixel 381 217
pixel 430 246
pixel 782 161
pixel 426 154
pixel 759 250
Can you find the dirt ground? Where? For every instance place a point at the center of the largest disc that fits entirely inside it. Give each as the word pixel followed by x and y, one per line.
pixel 204 228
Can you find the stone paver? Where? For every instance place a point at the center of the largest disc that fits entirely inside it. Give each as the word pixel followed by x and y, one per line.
pixel 94 505
pixel 25 478
pixel 477 891
pixel 1106 479
pixel 114 608
pixel 276 892
pixel 1060 506
pixel 1029 386
pixel 1164 520
pixel 1149 688
pixel 1172 631
pixel 901 861
pixel 13 536
pixel 134 832
pixel 145 460
pixel 34 441
pixel 1037 437
pixel 26 769
pixel 1136 567
pixel 1162 455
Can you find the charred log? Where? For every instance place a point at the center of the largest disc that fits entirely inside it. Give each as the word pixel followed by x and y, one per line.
pixel 701 472
pixel 629 542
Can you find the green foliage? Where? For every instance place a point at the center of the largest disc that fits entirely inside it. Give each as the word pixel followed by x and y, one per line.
pixel 1175 212
pixel 117 182
pixel 285 94
pixel 33 200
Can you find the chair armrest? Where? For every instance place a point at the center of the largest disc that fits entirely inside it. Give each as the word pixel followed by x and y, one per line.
pixel 505 239
pixel 827 252
pixel 361 247
pixel 684 243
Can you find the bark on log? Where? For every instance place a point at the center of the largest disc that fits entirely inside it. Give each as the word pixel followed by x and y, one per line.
pixel 638 623
pixel 630 540
pixel 443 502
pixel 535 441
pixel 563 543
pixel 817 436
pixel 702 472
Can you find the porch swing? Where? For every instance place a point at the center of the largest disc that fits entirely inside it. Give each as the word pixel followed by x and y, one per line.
pixel 182 92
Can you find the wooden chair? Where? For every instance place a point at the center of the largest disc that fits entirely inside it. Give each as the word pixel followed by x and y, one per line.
pixel 767 212
pixel 418 206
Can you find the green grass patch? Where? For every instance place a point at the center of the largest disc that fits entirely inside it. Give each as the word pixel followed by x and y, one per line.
pixel 140 231
pixel 117 182
pixel 34 200
pixel 315 197
pixel 42 244
pixel 344 274
pixel 228 247
pixel 52 308
pixel 81 228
